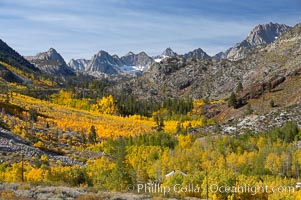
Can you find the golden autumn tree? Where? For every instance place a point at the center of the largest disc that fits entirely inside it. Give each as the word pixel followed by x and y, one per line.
pixel 105 105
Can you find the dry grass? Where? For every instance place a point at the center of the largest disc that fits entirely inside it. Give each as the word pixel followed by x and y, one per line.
pixel 89 197
pixel 286 94
pixel 10 195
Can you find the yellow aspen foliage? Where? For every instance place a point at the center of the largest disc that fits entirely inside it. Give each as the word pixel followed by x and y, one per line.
pixel 35 175
pixel 105 105
pixel 40 145
pixel 197 106
pixel 273 163
pixel 185 141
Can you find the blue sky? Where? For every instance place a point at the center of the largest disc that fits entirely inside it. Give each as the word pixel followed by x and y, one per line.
pixel 80 28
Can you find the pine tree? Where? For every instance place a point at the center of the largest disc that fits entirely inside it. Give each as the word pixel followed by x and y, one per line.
pixel 239 87
pixel 92 135
pixel 33 115
pixel 232 102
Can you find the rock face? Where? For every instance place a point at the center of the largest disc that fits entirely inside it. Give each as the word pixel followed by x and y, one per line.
pixel 103 62
pixel 260 35
pixel 78 64
pixel 141 60
pixel 51 62
pixel 196 54
pixel 266 34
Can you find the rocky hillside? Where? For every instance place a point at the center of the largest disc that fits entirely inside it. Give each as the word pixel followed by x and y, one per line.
pixel 51 62
pixel 10 143
pixel 13 67
pixel 177 77
pixel 11 76
pixel 13 58
pixel 261 35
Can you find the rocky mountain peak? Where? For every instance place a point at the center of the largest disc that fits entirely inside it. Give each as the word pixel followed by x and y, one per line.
pixel 169 53
pixel 266 33
pixel 51 62
pixel 103 62
pixel 101 53
pixel 130 53
pixel 141 60
pixel 261 34
pixel 196 54
pixel 52 50
pixel 50 55
pixel 142 53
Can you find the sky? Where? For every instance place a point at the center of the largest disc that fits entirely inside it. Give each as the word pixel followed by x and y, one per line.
pixel 80 28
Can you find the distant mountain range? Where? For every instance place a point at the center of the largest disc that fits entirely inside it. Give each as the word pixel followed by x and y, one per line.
pixel 103 62
pixel 52 62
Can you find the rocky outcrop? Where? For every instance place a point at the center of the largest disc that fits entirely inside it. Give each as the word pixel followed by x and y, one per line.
pixel 11 143
pixel 266 122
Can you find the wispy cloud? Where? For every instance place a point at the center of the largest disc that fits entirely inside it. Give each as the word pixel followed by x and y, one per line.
pixel 79 28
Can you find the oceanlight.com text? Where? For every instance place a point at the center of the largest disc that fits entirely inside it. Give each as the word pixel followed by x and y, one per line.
pixel 212 188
